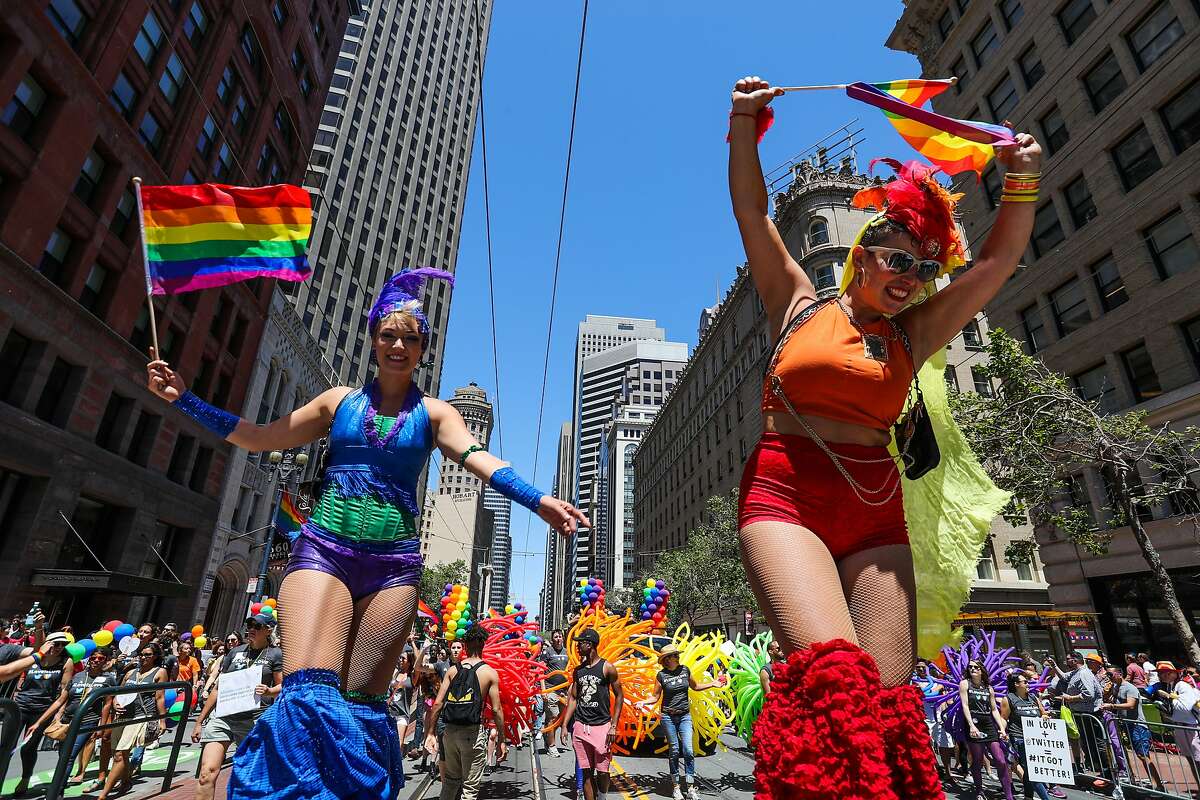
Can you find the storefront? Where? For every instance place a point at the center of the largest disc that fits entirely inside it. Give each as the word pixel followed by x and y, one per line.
pixel 1041 633
pixel 1133 616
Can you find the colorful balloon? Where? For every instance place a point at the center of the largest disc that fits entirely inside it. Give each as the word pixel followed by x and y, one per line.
pixel 103 637
pixel 76 652
pixel 113 625
pixel 123 630
pixel 270 601
pixel 201 642
pixel 198 630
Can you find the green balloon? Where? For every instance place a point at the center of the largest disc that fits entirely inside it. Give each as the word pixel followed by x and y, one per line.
pixel 175 710
pixel 76 652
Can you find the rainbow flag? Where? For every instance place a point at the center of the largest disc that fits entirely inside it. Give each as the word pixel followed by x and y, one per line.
pixel 955 145
pixel 423 610
pixel 288 518
pixel 207 234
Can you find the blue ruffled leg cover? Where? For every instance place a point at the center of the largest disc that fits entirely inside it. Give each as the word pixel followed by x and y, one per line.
pixel 309 746
pixel 382 739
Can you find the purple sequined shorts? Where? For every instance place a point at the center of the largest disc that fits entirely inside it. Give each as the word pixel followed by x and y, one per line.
pixel 365 568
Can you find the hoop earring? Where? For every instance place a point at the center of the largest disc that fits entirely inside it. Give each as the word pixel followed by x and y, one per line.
pixel 860 279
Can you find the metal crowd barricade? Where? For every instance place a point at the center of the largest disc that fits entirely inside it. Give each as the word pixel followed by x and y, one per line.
pixel 10 733
pixel 1170 770
pixel 55 790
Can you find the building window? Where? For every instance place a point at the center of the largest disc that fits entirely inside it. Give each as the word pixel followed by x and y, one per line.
pixel 818 232
pixel 1154 35
pixel 1035 329
pixel 1002 99
pixel 58 249
pixel 58 395
pixel 1055 130
pixel 172 79
pixel 1094 386
pixel 824 277
pixel 1031 66
pixel 195 24
pixel 1047 231
pixel 1079 201
pixel 227 86
pixel 141 443
pixel 959 68
pixel 149 39
pixel 298 62
pixel 223 167
pixel 951 383
pixel 112 424
pixel 1108 283
pixel 69 18
pixel 151 132
pixel 1070 307
pixel 1181 117
pixel 946 24
pixel 123 213
pixel 208 137
pixel 181 455
pixel 1075 17
pixel 1136 158
pixel 250 48
pixel 1140 371
pixel 1104 82
pixel 89 178
pixel 1012 11
pixel 985 44
pixel 240 117
pixel 985 568
pixel 27 103
pixel 983 384
pixel 992 186
pixel 268 161
pixel 123 96
pixel 1191 333
pixel 92 296
pixel 972 338
pixel 280 13
pixel 283 124
pixel 1172 245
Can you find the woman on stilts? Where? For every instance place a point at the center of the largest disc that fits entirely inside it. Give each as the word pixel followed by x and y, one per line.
pixel 822 520
pixel 350 590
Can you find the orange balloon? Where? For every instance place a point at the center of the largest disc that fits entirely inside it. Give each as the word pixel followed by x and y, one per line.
pixel 270 601
pixel 197 631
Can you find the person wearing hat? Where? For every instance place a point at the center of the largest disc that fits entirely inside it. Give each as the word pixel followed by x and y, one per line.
pixel 217 733
pixel 595 691
pixel 43 692
pixel 1083 695
pixel 672 684
pixel 1184 700
pixel 18 655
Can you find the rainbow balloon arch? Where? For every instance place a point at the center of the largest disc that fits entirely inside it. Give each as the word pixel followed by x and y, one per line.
pixel 456 611
pixel 654 604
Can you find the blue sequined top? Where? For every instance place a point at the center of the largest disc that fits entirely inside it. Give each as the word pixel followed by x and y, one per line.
pixel 369 493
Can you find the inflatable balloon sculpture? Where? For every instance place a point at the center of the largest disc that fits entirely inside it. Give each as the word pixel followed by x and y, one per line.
pixel 455 610
pixel 512 649
pixel 745 666
pixel 707 657
pixel 654 604
pixel 591 595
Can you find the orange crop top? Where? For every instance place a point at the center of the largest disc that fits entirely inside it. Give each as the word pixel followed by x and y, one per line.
pixel 825 373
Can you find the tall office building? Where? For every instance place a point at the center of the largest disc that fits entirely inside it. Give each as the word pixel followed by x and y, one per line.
pixel 642 372
pixel 614 513
pixel 389 170
pixel 558 579
pixel 93 93
pixel 501 547
pixel 1111 296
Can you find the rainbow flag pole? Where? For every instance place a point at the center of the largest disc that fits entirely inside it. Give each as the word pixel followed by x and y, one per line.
pixel 137 194
pixel 946 81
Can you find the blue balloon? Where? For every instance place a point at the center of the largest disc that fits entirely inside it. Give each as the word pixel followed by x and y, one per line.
pixel 88 646
pixel 169 697
pixel 654 593
pixel 121 631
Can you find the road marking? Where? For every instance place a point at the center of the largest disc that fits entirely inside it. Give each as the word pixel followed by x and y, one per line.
pixel 637 792
pixel 154 759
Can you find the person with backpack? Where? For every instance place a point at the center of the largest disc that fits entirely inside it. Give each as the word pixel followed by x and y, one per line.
pixel 595 691
pixel 460 705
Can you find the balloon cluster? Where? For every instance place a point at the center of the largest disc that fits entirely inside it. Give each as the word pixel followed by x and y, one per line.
pixel 707 657
pixel 173 700
pixel 195 636
pixel 654 604
pixel 456 611
pixel 112 631
pixel 518 613
pixel 267 606
pixel 512 649
pixel 745 667
pixel 591 595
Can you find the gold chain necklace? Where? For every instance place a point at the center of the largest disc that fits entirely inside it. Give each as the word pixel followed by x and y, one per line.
pixel 875 345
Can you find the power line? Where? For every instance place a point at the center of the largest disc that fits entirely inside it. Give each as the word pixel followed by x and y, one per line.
pixel 562 216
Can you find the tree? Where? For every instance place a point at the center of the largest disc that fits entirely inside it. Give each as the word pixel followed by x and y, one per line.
pixel 706 574
pixel 1037 433
pixel 434 579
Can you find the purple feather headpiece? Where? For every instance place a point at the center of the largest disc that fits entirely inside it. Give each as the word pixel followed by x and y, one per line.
pixel 399 293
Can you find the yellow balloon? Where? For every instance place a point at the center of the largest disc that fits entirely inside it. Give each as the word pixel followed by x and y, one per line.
pixel 70 638
pixel 455 614
pixel 650 584
pixel 201 642
pixel 102 637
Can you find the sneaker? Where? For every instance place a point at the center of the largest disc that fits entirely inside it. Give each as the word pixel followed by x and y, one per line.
pixel 1057 792
pixel 692 793
pixel 675 793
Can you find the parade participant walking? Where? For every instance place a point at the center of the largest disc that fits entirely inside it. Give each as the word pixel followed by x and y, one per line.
pixel 217 733
pixel 767 673
pixel 1022 704
pixel 821 504
pixel 100 713
pixel 136 704
pixel 1126 703
pixel 555 657
pixel 986 728
pixel 459 703
pixel 672 685
pixel 357 561
pixel 42 694
pixel 594 702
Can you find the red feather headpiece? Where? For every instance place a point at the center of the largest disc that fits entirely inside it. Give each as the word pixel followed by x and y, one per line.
pixel 922 206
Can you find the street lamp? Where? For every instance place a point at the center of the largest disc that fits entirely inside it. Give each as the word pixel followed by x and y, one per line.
pixel 284 466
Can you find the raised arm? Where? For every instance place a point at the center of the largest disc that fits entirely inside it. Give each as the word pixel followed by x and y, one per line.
pixel 932 324
pixel 780 281
pixel 306 424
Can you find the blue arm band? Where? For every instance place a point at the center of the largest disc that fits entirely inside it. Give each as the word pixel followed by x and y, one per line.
pixel 214 419
pixel 508 483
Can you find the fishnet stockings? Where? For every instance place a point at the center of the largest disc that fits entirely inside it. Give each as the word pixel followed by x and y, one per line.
pixel 381 623
pixel 869 598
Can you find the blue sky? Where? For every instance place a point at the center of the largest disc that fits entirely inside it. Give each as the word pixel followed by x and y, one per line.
pixel 648 230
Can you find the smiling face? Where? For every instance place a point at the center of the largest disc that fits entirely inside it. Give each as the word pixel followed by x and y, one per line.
pixel 398 344
pixel 878 287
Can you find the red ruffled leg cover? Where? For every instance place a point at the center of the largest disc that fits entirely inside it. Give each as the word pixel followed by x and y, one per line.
pixel 819 736
pixel 909 748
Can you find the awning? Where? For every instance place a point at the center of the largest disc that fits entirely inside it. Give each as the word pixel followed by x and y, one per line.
pixel 86 580
pixel 1026 617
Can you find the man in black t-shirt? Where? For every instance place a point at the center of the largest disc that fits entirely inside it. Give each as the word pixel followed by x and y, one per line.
pixel 589 713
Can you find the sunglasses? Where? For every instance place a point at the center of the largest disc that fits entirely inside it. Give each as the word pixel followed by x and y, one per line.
pixel 901 261
pixel 146 655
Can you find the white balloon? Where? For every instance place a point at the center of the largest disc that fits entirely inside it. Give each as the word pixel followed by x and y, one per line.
pixel 128 645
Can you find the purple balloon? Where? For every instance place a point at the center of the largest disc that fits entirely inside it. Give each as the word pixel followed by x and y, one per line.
pixel 185 636
pixel 665 593
pixel 659 584
pixel 647 615
pixel 449 586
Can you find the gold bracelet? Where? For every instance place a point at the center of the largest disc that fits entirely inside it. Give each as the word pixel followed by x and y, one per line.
pixel 1008 198
pixel 1023 174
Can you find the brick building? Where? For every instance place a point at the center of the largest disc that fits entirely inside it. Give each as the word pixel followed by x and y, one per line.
pixel 93 93
pixel 1110 295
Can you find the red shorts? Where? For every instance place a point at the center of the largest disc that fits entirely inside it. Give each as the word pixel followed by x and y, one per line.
pixel 790 479
pixel 591 746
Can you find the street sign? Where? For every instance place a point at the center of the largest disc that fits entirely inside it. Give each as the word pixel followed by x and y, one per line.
pixel 748 624
pixel 252 585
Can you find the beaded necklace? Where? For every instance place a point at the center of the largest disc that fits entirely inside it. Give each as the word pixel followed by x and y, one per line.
pixel 369 431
